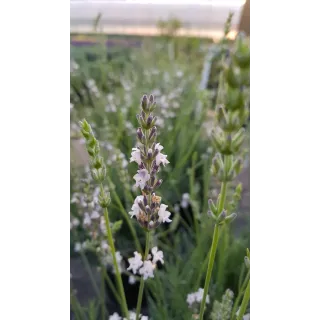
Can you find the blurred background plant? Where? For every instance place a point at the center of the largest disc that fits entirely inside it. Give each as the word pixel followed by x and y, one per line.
pixel 108 76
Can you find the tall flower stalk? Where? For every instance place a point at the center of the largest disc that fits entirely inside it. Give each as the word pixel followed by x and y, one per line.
pixel 99 174
pixel 147 207
pixel 232 111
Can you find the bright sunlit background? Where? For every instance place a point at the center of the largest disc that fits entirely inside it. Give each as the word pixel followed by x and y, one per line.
pixel 198 18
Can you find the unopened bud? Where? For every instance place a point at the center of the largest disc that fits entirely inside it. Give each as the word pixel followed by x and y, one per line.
pixel 149 154
pixel 212 206
pixel 158 184
pixel 247 262
pixel 148 210
pixel 230 217
pixel 145 200
pixel 237 166
pixel 140 134
pixel 237 140
pixel 239 188
pixel 221 216
pixel 149 120
pixel 152 133
pixel 104 199
pixel 211 215
pixel 141 205
pixel 144 103
pixel 97 162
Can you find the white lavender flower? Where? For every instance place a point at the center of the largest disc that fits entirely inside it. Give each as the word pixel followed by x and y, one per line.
pixel 135 262
pixel 157 255
pixel 185 200
pixel 147 270
pixel 104 245
pixel 196 297
pixel 132 280
pixel 115 316
pixel 136 156
pixel 161 158
pixel 77 247
pixel 164 214
pixel 141 178
pixel 135 209
pixel 86 219
pixel 95 215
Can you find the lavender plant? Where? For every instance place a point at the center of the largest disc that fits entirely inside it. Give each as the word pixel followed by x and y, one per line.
pixel 176 290
pixel 147 207
pixel 99 174
pixel 228 136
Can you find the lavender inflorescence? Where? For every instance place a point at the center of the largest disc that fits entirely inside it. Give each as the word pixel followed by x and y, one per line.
pixel 147 207
pixel 232 111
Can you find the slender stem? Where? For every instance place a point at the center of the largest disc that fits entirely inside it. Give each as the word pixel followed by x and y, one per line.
pixel 142 280
pixel 88 268
pixel 112 287
pixel 241 292
pixel 192 194
pixel 124 306
pixel 126 217
pixel 102 297
pixel 213 250
pixel 245 302
pixel 78 312
pixel 222 257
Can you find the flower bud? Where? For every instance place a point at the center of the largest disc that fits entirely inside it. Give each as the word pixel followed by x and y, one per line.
pixel 221 216
pixel 104 199
pixel 233 76
pixel 230 217
pixel 97 162
pixel 237 165
pixel 234 98
pixel 153 133
pixel 145 200
pixel 149 120
pixel 140 135
pixel 212 206
pixel 148 210
pixel 141 205
pixel 144 103
pixel 215 166
pixel 237 140
pixel 247 262
pixel 239 188
pixel 149 155
pixel 211 215
pixel 242 53
pixel 158 183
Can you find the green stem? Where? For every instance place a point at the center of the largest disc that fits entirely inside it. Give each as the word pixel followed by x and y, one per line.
pixel 102 297
pixel 78 312
pixel 112 287
pixel 245 302
pixel 193 195
pixel 222 257
pixel 142 280
pixel 88 268
pixel 126 217
pixel 124 306
pixel 213 250
pixel 214 245
pixel 240 294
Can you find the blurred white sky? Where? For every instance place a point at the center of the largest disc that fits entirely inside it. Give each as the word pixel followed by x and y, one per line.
pixel 127 15
pixel 223 3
